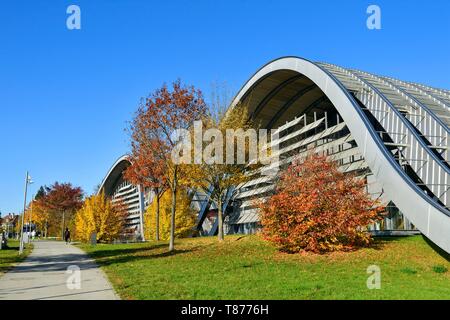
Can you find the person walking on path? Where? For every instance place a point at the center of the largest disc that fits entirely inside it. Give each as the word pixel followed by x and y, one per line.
pixel 67 235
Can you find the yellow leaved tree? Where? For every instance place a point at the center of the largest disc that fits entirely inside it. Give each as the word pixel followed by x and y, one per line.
pixel 221 178
pixel 39 216
pixel 100 215
pixel 185 216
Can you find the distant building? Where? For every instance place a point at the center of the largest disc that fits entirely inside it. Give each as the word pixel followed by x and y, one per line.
pixel 8 224
pixel 118 189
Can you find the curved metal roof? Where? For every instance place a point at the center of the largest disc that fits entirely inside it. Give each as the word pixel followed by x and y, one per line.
pixel 114 174
pixel 414 118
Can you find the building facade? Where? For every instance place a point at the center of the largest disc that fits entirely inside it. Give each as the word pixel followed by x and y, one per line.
pixel 8 224
pixel 133 197
pixel 392 133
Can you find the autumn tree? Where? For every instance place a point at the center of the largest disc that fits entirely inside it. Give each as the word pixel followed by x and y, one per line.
pixel 216 175
pixel 147 169
pixel 47 219
pixel 155 124
pixel 100 215
pixel 38 214
pixel 318 208
pixel 62 199
pixel 41 192
pixel 185 217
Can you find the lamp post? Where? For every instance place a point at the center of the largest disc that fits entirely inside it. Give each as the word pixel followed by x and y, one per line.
pixel 27 182
pixel 31 215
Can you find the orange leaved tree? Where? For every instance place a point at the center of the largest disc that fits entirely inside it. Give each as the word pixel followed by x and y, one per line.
pixel 154 136
pixel 318 208
pixel 61 200
pixel 148 169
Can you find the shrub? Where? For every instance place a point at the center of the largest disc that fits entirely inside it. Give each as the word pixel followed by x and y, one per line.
pixel 318 208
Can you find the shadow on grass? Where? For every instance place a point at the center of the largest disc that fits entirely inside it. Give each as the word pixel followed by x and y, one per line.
pixel 120 251
pixel 7 264
pixel 379 243
pixel 8 261
pixel 10 249
pixel 118 256
pixel 436 249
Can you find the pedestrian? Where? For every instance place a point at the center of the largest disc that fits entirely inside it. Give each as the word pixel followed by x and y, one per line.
pixel 67 235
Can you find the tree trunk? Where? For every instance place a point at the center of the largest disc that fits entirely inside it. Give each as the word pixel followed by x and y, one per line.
pixel 157 216
pixel 220 217
pixel 172 218
pixel 63 224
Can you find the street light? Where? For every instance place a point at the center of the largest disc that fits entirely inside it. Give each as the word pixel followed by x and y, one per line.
pixel 27 182
pixel 31 215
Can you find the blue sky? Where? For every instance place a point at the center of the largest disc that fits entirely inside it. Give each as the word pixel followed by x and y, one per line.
pixel 66 95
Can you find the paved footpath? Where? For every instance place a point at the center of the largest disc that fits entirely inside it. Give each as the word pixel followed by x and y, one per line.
pixel 44 275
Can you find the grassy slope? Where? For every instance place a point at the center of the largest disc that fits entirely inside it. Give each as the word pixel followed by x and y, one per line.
pixel 248 268
pixel 10 256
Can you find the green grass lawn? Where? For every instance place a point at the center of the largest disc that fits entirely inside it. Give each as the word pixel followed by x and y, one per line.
pixel 10 256
pixel 249 268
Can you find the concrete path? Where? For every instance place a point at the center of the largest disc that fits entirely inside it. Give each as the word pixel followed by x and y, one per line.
pixel 50 272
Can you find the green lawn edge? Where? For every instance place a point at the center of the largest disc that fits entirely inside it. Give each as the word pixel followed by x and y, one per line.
pixel 248 268
pixel 10 257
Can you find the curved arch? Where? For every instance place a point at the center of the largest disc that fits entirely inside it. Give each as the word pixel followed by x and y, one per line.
pixel 430 217
pixel 422 92
pixel 414 99
pixel 114 173
pixel 403 129
pixel 135 203
pixel 440 129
